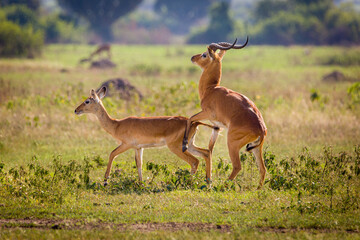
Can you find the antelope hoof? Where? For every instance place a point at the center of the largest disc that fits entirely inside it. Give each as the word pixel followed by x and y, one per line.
pixel 105 183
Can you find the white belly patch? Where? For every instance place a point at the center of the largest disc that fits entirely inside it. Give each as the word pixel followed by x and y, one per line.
pixel 160 143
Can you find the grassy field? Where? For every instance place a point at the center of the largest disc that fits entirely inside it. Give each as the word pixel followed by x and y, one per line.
pixel 52 162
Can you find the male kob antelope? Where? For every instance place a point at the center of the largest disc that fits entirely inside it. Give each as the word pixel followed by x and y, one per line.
pixel 226 108
pixel 144 132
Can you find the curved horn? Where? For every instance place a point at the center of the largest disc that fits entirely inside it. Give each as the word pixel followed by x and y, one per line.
pixel 238 46
pixel 222 45
pixel 242 46
pixel 227 46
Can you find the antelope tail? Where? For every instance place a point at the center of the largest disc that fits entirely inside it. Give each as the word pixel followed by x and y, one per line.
pixel 255 144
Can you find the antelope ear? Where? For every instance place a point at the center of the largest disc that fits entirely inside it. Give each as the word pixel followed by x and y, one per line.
pixel 93 93
pixel 221 54
pixel 211 53
pixel 102 92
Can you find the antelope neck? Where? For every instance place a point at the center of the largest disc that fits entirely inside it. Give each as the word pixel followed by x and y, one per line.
pixel 107 122
pixel 210 78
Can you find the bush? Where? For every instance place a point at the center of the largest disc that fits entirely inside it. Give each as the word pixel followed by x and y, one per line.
pixel 57 28
pixel 16 41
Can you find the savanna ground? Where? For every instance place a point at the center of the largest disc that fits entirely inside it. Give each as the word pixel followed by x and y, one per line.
pixel 52 162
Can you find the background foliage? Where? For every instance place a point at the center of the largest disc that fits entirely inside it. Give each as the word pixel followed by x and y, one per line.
pixel 275 22
pixel 220 26
pixel 305 22
pixel 19 41
pixel 181 15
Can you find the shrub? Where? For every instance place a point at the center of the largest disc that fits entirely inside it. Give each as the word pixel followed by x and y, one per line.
pixel 56 27
pixel 16 41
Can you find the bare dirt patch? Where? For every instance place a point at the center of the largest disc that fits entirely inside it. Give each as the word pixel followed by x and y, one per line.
pixel 72 224
pixel 294 230
pixel 68 224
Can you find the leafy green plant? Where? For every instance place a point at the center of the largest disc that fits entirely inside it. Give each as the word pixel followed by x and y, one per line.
pixel 335 176
pixel 53 184
pixel 354 94
pixel 315 96
pixel 162 179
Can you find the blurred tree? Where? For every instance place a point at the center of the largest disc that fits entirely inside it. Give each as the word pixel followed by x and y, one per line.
pixel 310 2
pixel 181 15
pixel 267 8
pixel 305 22
pixel 344 25
pixel 21 15
pixel 220 27
pixel 32 4
pixel 316 8
pixel 59 31
pixel 287 28
pixel 101 14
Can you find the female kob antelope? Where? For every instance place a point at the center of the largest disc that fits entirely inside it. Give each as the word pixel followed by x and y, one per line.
pixel 144 132
pixel 226 108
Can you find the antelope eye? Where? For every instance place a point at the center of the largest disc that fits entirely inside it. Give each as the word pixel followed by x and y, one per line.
pixel 203 55
pixel 87 101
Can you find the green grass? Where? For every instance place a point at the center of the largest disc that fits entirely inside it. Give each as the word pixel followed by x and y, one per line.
pixel 316 198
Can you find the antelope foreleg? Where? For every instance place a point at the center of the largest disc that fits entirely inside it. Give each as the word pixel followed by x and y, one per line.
pixel 138 161
pixel 197 117
pixel 120 149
